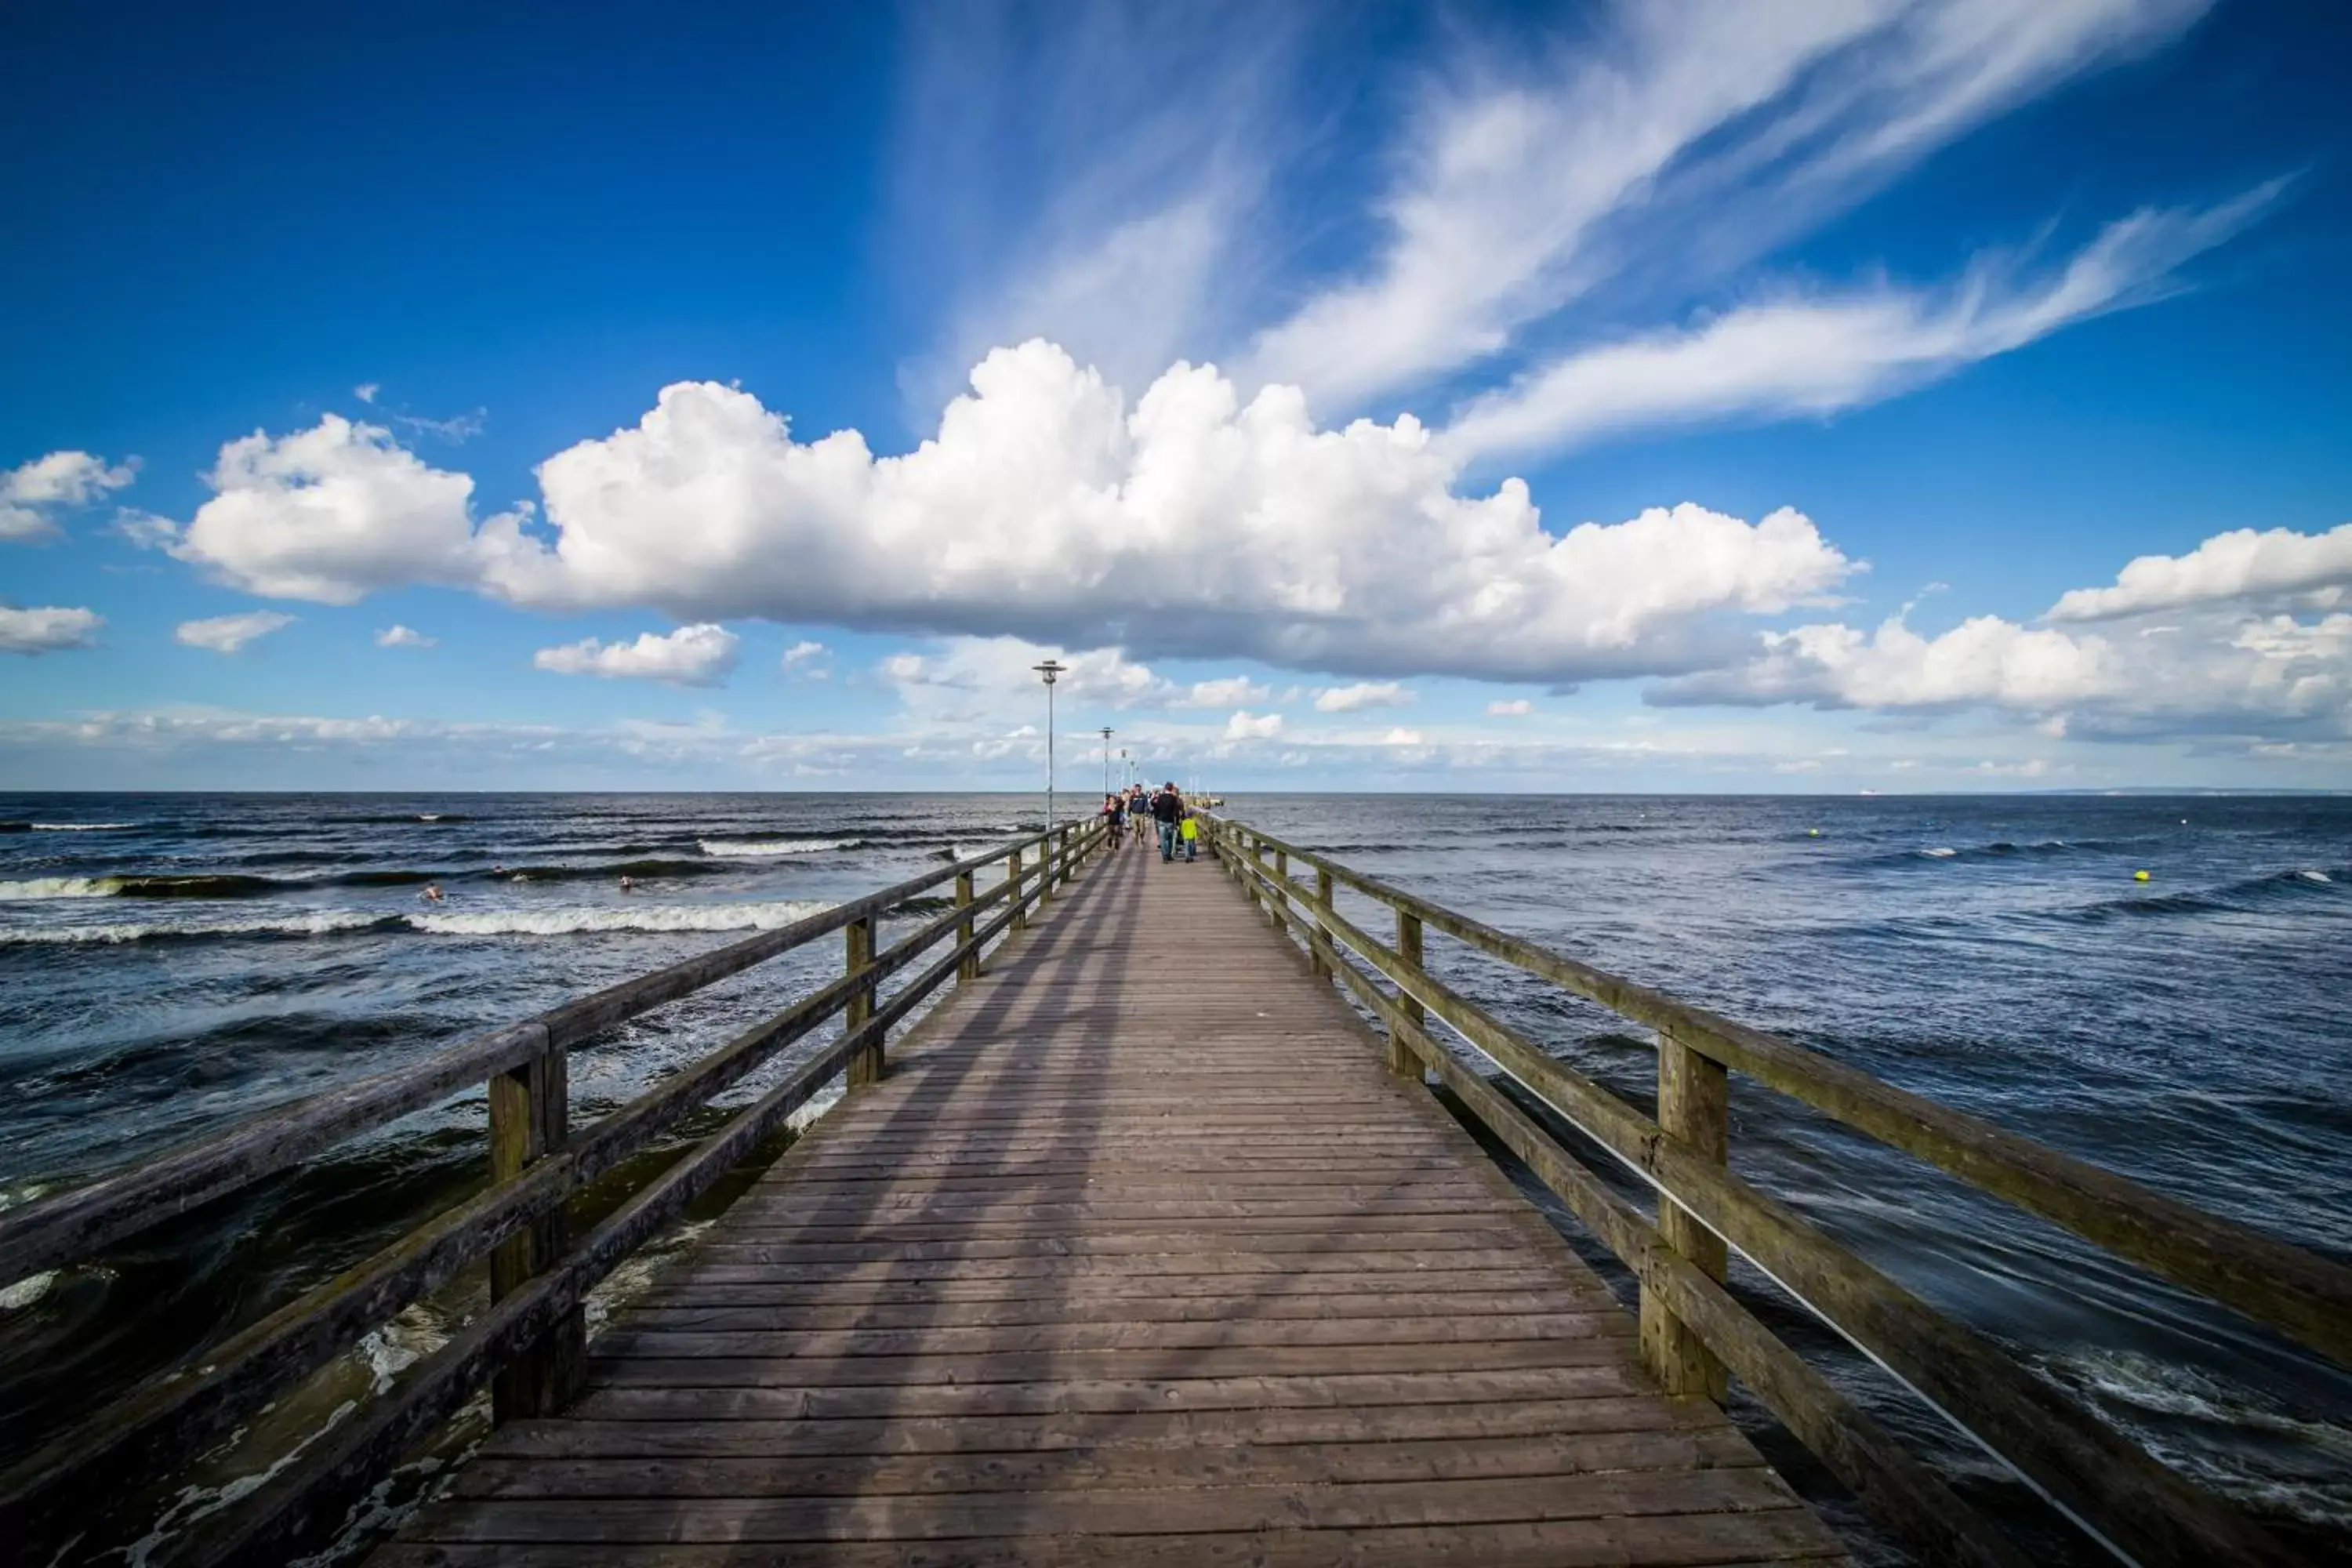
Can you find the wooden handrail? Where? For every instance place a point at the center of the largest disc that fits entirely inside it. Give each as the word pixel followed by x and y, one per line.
pixel 170 1418
pixel 2135 1506
pixel 2295 1292
pixel 40 1234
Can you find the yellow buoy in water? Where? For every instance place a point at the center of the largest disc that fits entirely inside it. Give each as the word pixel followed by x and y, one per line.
pixel 2139 876
pixel 1816 832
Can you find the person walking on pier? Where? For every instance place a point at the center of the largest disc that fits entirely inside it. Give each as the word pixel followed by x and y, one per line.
pixel 1114 816
pixel 1189 830
pixel 1167 810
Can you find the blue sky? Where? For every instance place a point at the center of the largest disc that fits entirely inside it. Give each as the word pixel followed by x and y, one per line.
pixel 1890 394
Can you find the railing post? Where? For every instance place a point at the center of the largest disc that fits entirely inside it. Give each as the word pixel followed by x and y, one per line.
pixel 529 1120
pixel 866 1067
pixel 969 970
pixel 1401 1060
pixel 1281 874
pixel 1695 1109
pixel 1012 875
pixel 1046 869
pixel 1258 858
pixel 1323 897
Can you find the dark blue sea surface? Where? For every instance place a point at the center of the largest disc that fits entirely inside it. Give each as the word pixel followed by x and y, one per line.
pixel 170 962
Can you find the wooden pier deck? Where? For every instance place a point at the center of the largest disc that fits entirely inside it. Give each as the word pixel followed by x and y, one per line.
pixel 1138 1254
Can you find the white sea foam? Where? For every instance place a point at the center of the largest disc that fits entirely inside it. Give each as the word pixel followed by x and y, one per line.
pixel 1939 853
pixel 83 826
pixel 26 1292
pixel 2315 876
pixel 319 924
pixel 632 917
pixel 765 848
pixel 61 887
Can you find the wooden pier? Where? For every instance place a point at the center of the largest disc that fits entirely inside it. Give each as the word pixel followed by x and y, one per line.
pixel 1142 1246
pixel 1140 1255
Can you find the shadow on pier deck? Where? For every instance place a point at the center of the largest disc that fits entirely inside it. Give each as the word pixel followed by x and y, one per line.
pixel 1139 1253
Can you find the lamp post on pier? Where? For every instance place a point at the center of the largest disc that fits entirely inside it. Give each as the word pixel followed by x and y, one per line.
pixel 1106 736
pixel 1051 670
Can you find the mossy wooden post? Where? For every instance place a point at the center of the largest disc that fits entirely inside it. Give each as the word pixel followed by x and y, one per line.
pixel 1257 883
pixel 1323 897
pixel 529 1120
pixel 969 970
pixel 1282 879
pixel 1012 875
pixel 1402 1061
pixel 866 1066
pixel 1695 1109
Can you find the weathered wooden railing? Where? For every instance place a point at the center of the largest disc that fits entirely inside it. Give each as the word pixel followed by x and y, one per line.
pixel 1695 1335
pixel 529 1345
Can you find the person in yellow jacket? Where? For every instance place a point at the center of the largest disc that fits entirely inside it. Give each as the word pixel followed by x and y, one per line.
pixel 1190 832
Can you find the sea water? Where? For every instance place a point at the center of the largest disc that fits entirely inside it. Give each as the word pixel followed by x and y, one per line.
pixel 170 963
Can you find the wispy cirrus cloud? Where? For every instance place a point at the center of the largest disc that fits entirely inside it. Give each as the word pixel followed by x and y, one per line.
pixel 1670 144
pixel 1819 355
pixel 230 634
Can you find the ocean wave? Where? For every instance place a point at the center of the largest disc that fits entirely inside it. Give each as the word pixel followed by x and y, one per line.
pixel 83 826
pixel 322 924
pixel 2234 898
pixel 226 885
pixel 561 921
pixel 58 887
pixel 194 887
pixel 632 918
pixel 769 847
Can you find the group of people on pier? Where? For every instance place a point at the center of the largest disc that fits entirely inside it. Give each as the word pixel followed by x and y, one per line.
pixel 1126 811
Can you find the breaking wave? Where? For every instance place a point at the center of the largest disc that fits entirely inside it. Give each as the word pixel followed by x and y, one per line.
pixel 763 847
pixel 236 886
pixel 638 917
pixel 322 924
pixel 571 921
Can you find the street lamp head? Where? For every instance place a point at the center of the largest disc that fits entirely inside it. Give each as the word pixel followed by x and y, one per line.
pixel 1050 669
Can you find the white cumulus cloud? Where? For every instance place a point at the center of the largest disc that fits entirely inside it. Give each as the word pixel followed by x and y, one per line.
pixel 31 492
pixel 2240 565
pixel 1194 525
pixel 229 634
pixel 2214 670
pixel 1514 708
pixel 1363 695
pixel 335 512
pixel 50 628
pixel 1227 691
pixel 1248 726
pixel 698 655
pixel 405 637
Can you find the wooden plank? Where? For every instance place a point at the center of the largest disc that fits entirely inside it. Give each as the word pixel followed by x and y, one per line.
pixel 1127 1263
pixel 1065 1469
pixel 954 1516
pixel 576 1437
pixel 1462 1309
pixel 606 1401
pixel 1683 1541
